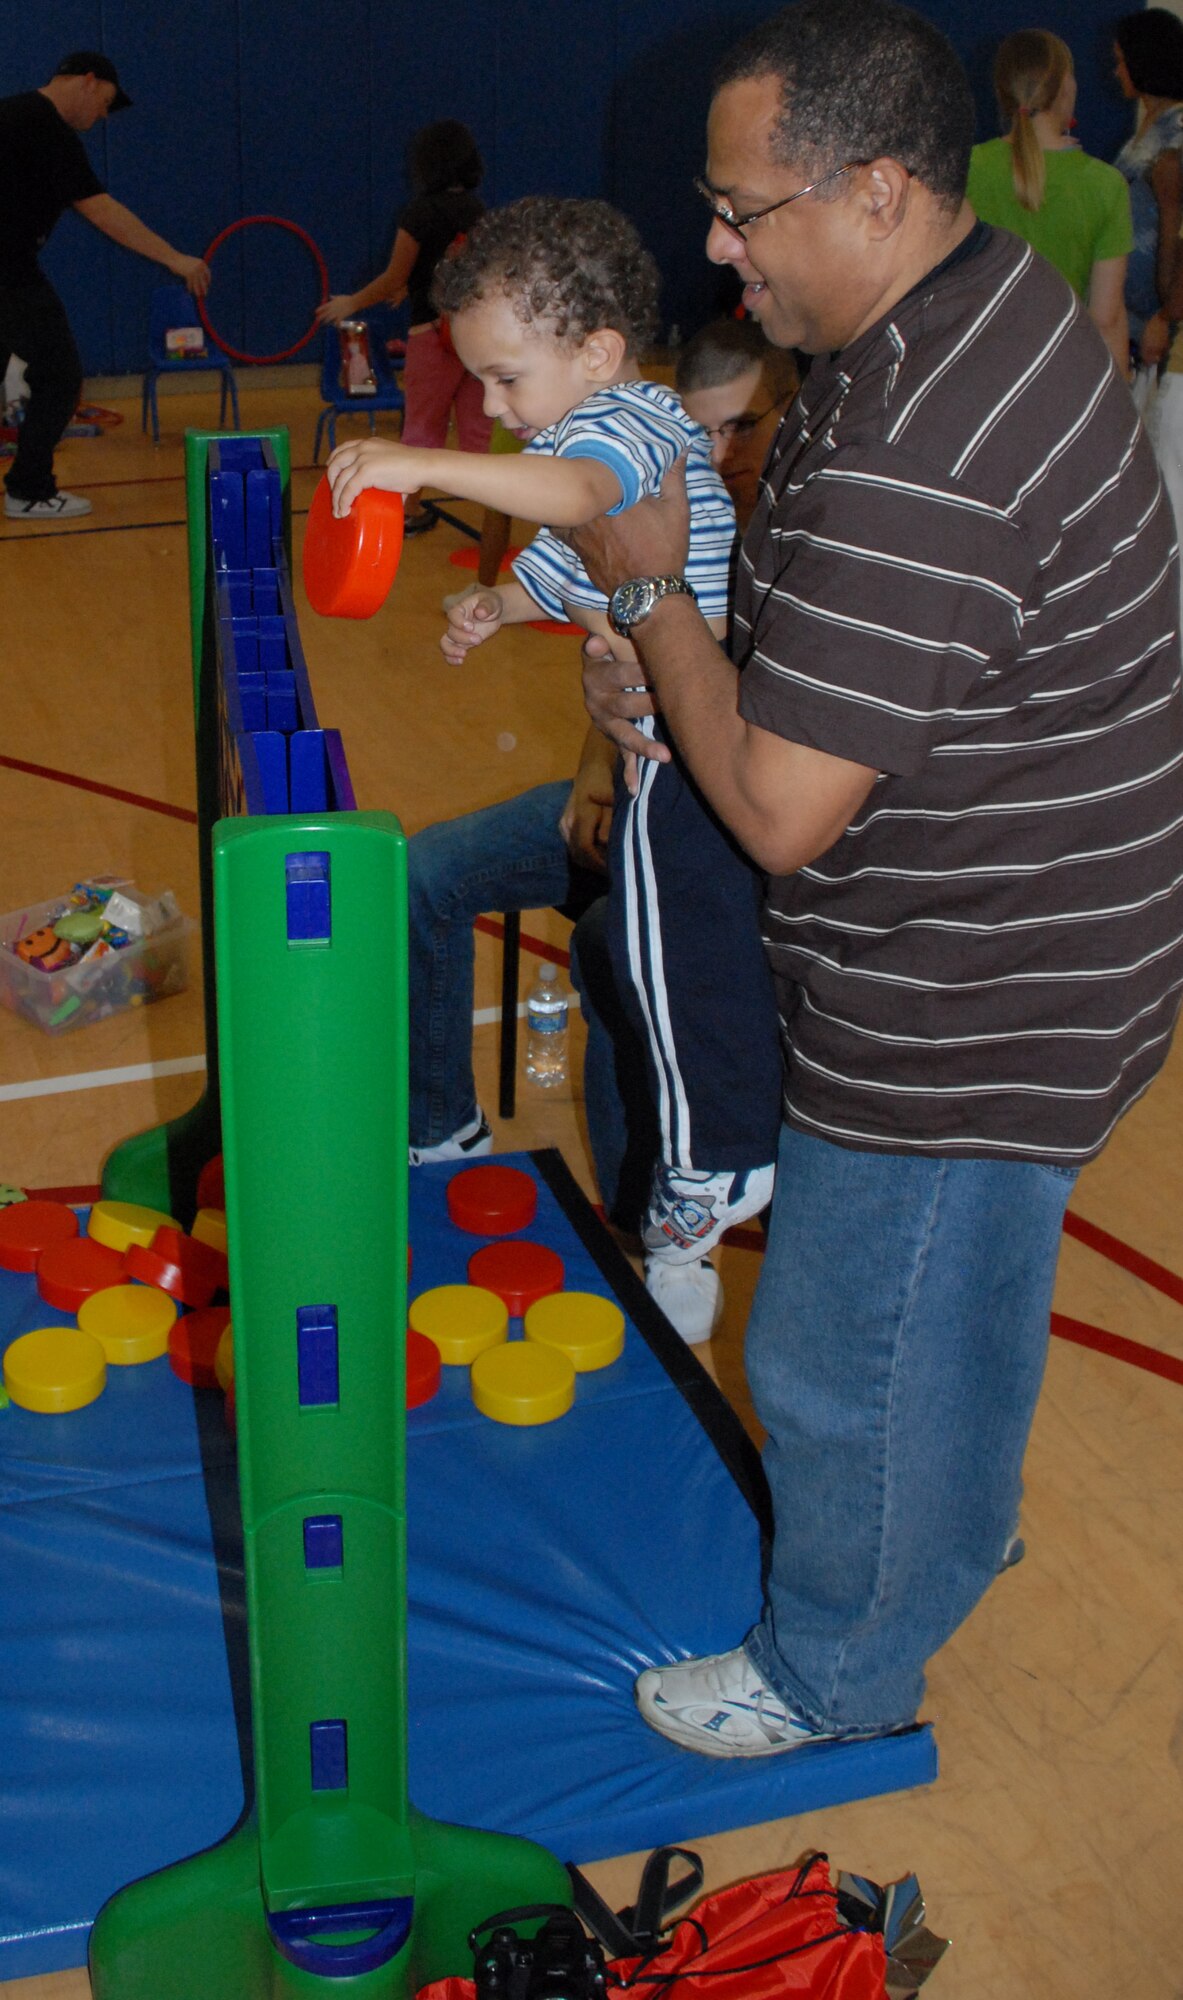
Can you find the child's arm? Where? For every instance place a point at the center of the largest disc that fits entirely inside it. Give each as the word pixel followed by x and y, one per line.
pixel 475 614
pixel 562 492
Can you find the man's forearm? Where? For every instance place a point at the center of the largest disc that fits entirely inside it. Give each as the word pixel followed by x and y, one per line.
pixel 126 229
pixel 785 803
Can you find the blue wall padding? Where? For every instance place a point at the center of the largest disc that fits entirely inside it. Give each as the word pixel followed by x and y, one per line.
pixel 244 106
pixel 546 1567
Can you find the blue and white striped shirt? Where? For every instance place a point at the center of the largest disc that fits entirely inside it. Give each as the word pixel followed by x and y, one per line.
pixel 637 429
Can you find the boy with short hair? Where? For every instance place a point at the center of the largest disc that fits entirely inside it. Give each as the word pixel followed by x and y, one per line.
pixel 549 304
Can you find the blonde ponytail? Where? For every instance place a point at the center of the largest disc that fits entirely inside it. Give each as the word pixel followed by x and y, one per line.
pixel 1029 72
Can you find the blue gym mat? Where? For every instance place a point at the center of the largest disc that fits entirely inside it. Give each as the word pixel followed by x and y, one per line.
pixel 546 1567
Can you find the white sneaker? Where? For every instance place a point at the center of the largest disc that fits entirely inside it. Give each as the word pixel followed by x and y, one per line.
pixel 690 1296
pixel 721 1707
pixel 689 1212
pixel 62 507
pixel 469 1143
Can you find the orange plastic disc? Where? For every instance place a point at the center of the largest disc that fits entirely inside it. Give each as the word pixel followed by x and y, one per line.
pixel 29 1227
pixel 519 1273
pixel 350 564
pixel 492 1201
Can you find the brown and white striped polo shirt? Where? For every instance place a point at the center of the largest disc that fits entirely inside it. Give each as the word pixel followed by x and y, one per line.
pixel 962 572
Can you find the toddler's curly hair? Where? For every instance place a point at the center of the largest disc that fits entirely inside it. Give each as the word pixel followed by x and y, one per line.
pixel 565 264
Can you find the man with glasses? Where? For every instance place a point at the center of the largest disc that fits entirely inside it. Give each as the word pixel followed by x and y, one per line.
pixel 951 732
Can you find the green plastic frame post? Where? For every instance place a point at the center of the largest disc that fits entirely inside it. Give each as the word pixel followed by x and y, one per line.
pixel 311 1025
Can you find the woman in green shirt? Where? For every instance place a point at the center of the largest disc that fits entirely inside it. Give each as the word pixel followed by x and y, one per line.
pixel 1036 181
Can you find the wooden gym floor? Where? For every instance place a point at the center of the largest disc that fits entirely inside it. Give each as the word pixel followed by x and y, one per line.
pixel 1051 1847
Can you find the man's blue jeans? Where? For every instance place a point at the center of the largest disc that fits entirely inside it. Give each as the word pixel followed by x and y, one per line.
pixel 895 1352
pixel 509 857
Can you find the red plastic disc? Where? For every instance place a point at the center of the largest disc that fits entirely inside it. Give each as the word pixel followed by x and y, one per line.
pixel 519 1273
pixel 351 562
pixel 276 222
pixel 68 1273
pixel 423 1368
pixel 29 1227
pixel 180 1265
pixel 211 1184
pixel 193 1343
pixel 492 1201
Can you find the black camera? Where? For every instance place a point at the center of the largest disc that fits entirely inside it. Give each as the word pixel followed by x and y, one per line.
pixel 559 1963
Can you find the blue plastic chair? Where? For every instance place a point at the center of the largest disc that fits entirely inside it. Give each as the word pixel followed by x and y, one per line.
pixel 173 306
pixel 337 401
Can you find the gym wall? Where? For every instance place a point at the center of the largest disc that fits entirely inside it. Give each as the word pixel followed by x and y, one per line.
pixel 303 108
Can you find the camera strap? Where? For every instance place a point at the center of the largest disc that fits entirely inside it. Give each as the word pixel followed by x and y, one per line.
pixel 635 1931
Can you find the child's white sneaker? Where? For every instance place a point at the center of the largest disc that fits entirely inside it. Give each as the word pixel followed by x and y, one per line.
pixel 689 1212
pixel 721 1707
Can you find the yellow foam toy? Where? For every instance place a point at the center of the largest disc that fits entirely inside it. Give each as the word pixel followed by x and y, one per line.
pixel 55 1368
pixel 119 1224
pixel 523 1383
pixel 130 1322
pixel 210 1227
pixel 462 1320
pixel 224 1358
pixel 589 1330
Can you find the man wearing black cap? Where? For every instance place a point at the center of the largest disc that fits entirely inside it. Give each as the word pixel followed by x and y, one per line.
pixel 44 169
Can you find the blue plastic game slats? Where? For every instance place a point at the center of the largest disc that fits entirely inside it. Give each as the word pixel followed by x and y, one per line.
pixel 265 592
pixel 228 519
pixel 271 751
pixel 296 660
pixel 308 776
pixel 341 797
pixel 241 753
pixel 260 513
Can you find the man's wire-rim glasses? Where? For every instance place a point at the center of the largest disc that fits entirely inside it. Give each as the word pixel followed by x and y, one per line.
pixel 724 213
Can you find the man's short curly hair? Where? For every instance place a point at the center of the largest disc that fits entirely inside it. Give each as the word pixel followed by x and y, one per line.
pixel 570 266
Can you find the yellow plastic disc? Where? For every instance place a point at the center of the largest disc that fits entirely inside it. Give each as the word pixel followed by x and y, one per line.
pixel 461 1319
pixel 589 1330
pixel 224 1357
pixel 210 1227
pixel 522 1383
pixel 119 1224
pixel 56 1368
pixel 130 1322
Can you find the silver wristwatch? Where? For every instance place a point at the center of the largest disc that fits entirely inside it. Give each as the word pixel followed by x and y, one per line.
pixel 633 601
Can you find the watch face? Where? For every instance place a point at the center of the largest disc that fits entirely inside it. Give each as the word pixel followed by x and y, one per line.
pixel 633 601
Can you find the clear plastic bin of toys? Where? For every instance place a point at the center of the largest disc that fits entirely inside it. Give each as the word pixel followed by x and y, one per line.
pixel 100 947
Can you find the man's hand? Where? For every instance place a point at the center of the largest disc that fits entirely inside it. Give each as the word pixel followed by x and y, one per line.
pixel 650 539
pixel 614 698
pixel 587 815
pixel 194 274
pixel 473 615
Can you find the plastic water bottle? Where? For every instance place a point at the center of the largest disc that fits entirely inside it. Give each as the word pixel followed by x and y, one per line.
pixel 546 1029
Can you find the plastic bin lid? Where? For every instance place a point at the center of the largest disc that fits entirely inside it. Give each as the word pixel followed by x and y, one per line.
pixel 350 564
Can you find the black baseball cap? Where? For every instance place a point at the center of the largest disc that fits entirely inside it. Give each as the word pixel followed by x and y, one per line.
pixel 92 62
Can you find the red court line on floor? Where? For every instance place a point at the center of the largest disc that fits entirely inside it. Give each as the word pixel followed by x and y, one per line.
pixel 1122 1254
pixel 1134 1352
pixel 555 953
pixel 104 791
